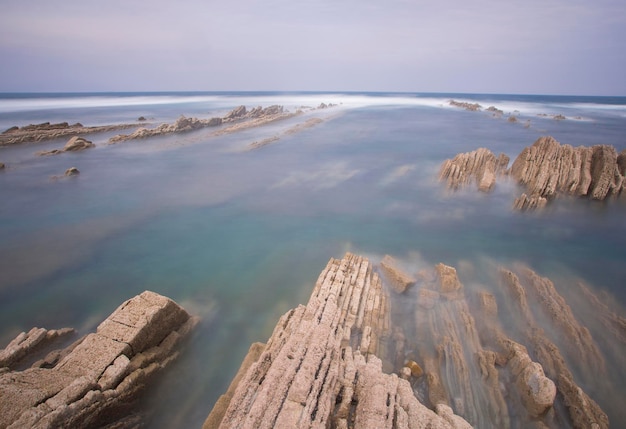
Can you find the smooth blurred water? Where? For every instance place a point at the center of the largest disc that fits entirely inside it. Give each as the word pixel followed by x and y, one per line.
pixel 239 237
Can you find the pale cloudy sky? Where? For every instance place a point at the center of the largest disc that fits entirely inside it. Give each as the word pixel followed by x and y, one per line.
pixel 487 46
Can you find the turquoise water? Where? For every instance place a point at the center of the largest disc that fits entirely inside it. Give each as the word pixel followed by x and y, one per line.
pixel 238 237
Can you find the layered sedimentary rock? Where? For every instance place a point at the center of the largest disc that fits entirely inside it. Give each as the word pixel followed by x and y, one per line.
pixel 397 277
pixel 240 117
pixel 545 170
pixel 322 365
pixel 583 412
pixel 480 166
pixel 48 131
pixel 74 144
pixel 182 124
pixel 96 380
pixel 548 168
pixel 435 355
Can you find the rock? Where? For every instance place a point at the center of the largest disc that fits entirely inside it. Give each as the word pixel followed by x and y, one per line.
pixel 427 298
pixel 416 370
pixel 72 171
pixel 559 117
pixel 28 343
pixel 512 119
pixel 537 391
pixel 480 166
pixel 2 166
pixel 320 367
pixel 245 119
pixel 47 131
pixel 76 144
pixel 322 106
pixel 524 202
pixel 495 110
pixel 583 411
pixel 548 168
pixel 399 280
pixel 237 112
pixel 141 119
pixel 100 375
pixel 447 279
pixel 473 107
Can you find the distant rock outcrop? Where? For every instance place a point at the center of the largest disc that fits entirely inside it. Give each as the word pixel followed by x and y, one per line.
pixel 548 168
pixel 95 381
pixel 480 166
pixel 465 105
pixel 240 117
pixel 48 131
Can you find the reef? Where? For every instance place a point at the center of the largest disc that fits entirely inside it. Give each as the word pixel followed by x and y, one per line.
pixel 364 354
pixel 97 380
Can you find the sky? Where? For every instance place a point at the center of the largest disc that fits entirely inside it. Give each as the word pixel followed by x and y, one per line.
pixel 575 47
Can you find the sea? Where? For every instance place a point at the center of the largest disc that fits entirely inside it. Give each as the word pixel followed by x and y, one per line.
pixel 239 236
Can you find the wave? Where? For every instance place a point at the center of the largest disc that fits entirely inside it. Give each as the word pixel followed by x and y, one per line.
pixel 524 105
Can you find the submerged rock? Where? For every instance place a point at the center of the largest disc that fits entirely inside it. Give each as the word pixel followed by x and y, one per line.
pixel 399 280
pixel 72 171
pixel 97 380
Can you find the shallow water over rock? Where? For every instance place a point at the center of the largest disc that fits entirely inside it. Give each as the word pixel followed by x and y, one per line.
pixel 238 237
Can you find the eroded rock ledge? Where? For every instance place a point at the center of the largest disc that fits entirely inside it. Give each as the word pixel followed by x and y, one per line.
pixel 322 365
pixel 480 166
pixel 96 380
pixel 364 354
pixel 546 170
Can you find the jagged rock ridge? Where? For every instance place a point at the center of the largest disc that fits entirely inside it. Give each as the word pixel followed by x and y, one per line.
pixel 545 169
pixel 320 368
pixel 480 166
pixel 442 358
pixel 96 380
